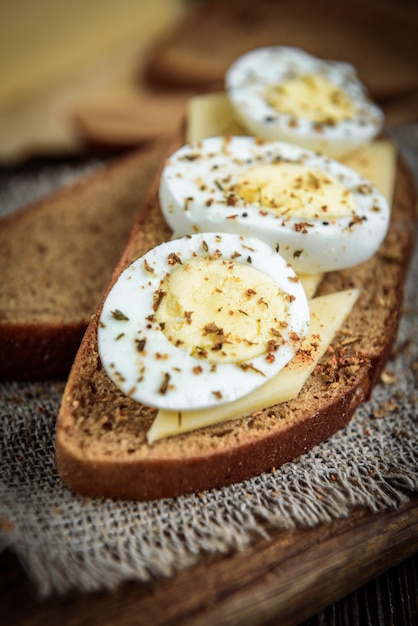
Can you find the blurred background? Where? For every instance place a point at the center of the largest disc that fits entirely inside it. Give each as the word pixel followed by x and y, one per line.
pixel 82 74
pixel 60 61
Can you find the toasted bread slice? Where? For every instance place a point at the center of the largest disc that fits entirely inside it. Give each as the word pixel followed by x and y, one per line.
pixel 56 259
pixel 101 434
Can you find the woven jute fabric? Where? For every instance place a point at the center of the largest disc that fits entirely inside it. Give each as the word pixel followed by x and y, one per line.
pixel 67 542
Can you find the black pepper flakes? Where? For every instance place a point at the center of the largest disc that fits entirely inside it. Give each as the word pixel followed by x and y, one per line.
pixel 164 385
pixel 119 316
pixel 140 344
pixel 148 268
pixel 174 259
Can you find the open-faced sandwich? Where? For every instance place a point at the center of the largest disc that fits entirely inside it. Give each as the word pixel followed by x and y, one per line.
pixel 259 295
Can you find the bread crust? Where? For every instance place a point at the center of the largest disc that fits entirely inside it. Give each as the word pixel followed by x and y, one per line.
pixel 101 447
pixel 38 351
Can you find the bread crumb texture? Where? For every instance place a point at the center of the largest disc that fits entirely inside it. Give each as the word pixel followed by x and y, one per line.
pixel 57 255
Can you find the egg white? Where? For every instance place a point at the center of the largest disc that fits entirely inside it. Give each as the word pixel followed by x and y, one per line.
pixel 194 198
pixel 246 81
pixel 130 339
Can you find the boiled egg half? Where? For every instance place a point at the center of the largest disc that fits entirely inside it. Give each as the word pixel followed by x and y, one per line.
pixel 200 321
pixel 285 93
pixel 319 214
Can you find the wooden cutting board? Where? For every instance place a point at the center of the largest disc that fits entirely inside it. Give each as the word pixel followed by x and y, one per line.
pixel 284 580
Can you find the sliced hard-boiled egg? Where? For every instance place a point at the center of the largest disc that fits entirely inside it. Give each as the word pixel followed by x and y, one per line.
pixel 284 93
pixel 319 214
pixel 201 321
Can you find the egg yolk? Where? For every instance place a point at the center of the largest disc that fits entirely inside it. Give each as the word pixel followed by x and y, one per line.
pixel 312 97
pixel 295 190
pixel 222 311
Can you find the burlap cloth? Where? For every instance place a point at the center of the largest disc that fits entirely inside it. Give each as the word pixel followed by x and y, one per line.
pixel 68 542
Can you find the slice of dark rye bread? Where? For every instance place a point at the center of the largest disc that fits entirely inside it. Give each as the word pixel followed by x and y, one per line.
pixel 101 447
pixel 56 257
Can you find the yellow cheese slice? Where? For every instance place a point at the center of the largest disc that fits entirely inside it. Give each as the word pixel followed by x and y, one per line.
pixel 376 161
pixel 211 115
pixel 310 283
pixel 327 315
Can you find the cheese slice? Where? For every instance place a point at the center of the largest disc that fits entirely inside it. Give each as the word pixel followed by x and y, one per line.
pixel 210 115
pixel 310 283
pixel 376 161
pixel 327 315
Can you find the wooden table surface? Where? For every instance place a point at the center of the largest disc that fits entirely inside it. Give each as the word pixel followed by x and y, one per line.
pixel 357 571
